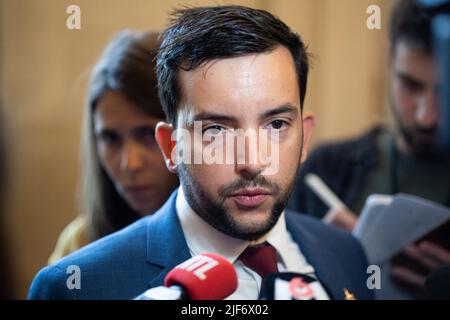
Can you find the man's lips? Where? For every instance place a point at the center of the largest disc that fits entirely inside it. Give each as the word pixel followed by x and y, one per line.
pixel 251 192
pixel 250 197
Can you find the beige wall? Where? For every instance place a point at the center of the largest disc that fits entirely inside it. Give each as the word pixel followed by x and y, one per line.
pixel 346 86
pixel 44 70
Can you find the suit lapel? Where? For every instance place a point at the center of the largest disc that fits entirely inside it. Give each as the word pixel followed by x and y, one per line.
pixel 166 245
pixel 325 262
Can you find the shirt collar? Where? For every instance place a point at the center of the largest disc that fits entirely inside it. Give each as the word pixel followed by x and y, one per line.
pixel 201 237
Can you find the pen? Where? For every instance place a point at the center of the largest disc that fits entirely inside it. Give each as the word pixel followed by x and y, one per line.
pixel 326 195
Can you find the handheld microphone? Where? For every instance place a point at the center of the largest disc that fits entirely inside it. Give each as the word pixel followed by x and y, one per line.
pixel 291 286
pixel 437 285
pixel 204 277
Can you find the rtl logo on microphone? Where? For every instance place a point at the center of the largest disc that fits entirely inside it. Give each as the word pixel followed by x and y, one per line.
pixel 206 276
pixel 199 266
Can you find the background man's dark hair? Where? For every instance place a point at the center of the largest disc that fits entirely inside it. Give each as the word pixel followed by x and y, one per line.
pixel 198 35
pixel 411 23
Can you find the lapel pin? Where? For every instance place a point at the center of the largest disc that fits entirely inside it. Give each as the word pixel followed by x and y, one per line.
pixel 349 295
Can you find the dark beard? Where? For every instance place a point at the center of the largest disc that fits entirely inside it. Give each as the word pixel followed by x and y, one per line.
pixel 418 149
pixel 214 212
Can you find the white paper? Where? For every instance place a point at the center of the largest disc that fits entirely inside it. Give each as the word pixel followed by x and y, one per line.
pixel 387 224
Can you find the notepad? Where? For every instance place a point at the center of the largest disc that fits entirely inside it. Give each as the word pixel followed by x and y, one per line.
pixel 389 223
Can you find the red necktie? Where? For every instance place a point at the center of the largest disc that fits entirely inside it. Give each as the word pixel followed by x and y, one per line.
pixel 261 259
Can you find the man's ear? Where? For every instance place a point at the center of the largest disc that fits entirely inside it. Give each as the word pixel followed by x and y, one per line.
pixel 163 133
pixel 309 124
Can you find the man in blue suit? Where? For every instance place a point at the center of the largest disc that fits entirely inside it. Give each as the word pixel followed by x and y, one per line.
pixel 232 82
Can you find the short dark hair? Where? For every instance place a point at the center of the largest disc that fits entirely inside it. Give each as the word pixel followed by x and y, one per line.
pixel 411 23
pixel 198 35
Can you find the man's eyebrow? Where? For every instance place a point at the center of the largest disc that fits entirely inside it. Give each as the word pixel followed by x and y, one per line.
pixel 407 78
pixel 285 108
pixel 211 116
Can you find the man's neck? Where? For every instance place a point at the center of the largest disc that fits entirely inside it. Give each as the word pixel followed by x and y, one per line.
pixel 406 150
pixel 401 145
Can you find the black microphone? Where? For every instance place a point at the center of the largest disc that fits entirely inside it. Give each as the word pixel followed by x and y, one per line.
pixel 204 277
pixel 291 286
pixel 437 285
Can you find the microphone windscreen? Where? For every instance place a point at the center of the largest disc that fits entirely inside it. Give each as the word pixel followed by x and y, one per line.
pixel 204 277
pixel 437 285
pixel 291 286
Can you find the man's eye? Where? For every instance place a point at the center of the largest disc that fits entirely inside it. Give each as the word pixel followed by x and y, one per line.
pixel 412 85
pixel 277 124
pixel 213 130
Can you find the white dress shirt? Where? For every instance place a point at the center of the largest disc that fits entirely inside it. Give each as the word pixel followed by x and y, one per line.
pixel 202 237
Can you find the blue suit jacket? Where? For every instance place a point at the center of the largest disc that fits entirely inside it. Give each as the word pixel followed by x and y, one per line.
pixel 128 262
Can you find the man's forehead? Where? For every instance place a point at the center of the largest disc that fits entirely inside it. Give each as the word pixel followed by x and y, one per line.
pixel 407 50
pixel 240 71
pixel 415 62
pixel 240 85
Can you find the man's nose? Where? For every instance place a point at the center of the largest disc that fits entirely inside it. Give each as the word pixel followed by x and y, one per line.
pixel 250 161
pixel 427 111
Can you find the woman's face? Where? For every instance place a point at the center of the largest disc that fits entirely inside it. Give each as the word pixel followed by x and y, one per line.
pixel 130 155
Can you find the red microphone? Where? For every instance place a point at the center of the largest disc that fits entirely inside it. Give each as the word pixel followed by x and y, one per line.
pixel 204 277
